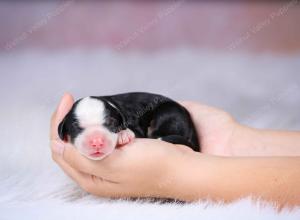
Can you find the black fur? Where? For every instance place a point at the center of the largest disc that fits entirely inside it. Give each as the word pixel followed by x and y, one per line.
pixel 138 111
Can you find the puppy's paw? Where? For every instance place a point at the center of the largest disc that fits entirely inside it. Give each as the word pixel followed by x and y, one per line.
pixel 125 137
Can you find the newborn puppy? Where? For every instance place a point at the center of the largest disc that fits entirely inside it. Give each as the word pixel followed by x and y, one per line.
pixel 97 124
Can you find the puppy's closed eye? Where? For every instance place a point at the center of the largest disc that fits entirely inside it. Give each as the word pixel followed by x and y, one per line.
pixel 111 121
pixel 114 124
pixel 75 124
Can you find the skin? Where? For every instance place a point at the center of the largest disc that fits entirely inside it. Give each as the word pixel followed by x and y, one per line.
pixel 153 168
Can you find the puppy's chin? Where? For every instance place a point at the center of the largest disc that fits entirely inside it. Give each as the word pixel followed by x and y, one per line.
pixel 98 155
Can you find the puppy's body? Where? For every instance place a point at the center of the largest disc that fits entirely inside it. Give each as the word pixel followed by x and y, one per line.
pixel 123 116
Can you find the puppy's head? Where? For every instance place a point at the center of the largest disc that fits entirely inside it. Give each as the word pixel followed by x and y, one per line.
pixel 92 126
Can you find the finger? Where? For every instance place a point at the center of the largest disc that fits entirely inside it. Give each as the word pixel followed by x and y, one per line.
pixel 79 162
pixel 93 184
pixel 90 183
pixel 63 108
pixel 83 180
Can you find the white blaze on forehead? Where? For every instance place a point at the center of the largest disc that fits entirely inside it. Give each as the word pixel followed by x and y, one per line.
pixel 90 111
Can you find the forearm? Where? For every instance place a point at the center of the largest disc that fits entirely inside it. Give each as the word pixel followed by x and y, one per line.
pixel 258 142
pixel 227 179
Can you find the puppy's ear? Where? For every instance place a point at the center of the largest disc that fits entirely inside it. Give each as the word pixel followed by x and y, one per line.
pixel 62 130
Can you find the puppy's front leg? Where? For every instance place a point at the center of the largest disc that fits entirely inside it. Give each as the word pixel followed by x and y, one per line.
pixel 125 137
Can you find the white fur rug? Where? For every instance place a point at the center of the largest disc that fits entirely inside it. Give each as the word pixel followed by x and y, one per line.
pixel 262 91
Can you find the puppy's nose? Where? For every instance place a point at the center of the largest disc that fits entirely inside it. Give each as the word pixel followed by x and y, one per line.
pixel 95 140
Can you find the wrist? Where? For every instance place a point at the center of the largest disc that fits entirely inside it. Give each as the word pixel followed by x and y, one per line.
pixel 188 176
pixel 245 141
pixel 262 142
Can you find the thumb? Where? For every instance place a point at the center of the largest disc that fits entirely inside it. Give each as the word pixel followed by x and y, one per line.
pixel 62 110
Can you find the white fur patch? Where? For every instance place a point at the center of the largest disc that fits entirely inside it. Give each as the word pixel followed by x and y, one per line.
pixel 90 111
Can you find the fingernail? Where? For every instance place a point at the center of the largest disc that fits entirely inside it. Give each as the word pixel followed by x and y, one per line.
pixel 58 147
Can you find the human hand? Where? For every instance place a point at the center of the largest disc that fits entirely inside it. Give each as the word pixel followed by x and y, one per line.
pixel 153 168
pixel 221 135
pixel 142 168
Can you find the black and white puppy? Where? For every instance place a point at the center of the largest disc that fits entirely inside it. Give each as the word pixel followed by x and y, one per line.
pixel 97 124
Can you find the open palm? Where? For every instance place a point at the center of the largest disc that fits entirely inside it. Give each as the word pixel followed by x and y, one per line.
pixel 216 128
